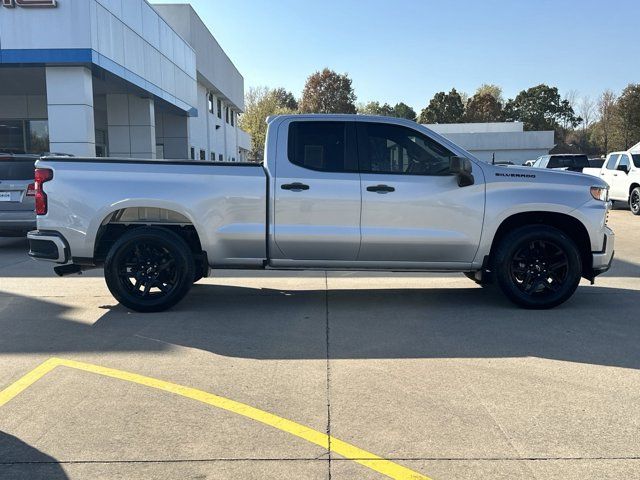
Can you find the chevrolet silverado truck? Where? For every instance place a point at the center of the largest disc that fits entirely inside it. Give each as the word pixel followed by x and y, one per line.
pixel 621 170
pixel 341 192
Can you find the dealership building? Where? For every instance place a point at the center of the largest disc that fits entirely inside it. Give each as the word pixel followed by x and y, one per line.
pixel 499 141
pixel 118 78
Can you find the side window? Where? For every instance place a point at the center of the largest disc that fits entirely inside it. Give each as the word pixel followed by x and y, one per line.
pixel 322 146
pixel 581 161
pixel 624 162
pixel 611 163
pixel 555 162
pixel 386 148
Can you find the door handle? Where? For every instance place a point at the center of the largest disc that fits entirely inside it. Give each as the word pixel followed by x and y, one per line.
pixel 295 187
pixel 381 189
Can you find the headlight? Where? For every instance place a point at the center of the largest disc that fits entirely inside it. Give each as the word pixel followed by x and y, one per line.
pixel 600 193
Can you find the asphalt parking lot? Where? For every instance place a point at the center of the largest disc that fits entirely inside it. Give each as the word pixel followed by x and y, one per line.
pixel 312 376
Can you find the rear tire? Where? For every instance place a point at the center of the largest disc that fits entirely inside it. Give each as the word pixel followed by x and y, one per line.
pixel 537 267
pixel 149 269
pixel 634 201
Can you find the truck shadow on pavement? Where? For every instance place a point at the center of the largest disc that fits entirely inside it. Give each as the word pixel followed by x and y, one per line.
pixel 597 326
pixel 19 461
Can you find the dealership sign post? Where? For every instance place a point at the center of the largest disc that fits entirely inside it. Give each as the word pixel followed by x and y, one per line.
pixel 30 3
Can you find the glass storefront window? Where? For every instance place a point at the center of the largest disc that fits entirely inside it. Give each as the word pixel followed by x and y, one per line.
pixel 24 136
pixel 38 139
pixel 12 136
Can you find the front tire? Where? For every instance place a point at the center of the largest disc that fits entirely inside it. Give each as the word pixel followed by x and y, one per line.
pixel 149 269
pixel 537 267
pixel 634 201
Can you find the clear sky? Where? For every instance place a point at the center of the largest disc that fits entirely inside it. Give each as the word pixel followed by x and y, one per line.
pixel 407 50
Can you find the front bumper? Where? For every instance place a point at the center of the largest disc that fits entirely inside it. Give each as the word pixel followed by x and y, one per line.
pixel 49 246
pixel 602 260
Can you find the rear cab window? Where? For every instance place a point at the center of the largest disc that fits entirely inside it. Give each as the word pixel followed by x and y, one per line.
pixel 323 146
pixel 16 168
pixel 568 161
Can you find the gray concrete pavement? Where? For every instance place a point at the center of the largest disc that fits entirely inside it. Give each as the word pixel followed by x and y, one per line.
pixel 428 371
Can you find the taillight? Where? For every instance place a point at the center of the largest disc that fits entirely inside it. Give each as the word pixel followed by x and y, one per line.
pixel 31 190
pixel 43 175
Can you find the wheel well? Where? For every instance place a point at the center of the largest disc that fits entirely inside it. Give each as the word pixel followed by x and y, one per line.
pixel 121 221
pixel 567 224
pixel 633 185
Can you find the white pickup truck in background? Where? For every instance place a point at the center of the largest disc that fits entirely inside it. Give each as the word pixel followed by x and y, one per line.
pixel 621 170
pixel 343 192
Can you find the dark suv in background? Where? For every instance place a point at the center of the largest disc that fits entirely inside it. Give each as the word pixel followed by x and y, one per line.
pixel 17 192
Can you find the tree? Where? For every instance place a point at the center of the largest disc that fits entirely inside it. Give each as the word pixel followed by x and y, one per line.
pixel 328 92
pixel 443 108
pixel 572 99
pixel 606 106
pixel 374 108
pixel 260 103
pixel 541 108
pixel 285 99
pixel 483 107
pixel 586 110
pixel 627 114
pixel 402 110
pixel 494 90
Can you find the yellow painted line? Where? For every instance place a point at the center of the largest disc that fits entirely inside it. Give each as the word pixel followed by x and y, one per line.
pixel 344 449
pixel 29 379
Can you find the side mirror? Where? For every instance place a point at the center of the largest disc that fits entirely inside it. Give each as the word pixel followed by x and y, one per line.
pixel 463 169
pixel 624 168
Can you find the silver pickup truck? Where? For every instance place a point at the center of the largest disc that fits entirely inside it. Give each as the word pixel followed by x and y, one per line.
pixel 340 192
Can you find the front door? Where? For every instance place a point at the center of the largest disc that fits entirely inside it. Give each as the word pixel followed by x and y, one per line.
pixel 620 184
pixel 317 192
pixel 607 173
pixel 413 210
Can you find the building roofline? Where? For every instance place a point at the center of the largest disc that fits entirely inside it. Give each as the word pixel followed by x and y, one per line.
pixel 189 6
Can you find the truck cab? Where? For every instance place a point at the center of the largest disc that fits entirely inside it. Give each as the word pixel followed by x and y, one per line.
pixel 354 192
pixel 621 170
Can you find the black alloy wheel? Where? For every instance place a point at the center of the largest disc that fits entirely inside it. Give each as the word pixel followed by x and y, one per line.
pixel 149 269
pixel 537 266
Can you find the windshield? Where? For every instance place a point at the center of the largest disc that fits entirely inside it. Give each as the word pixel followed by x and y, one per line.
pixel 636 159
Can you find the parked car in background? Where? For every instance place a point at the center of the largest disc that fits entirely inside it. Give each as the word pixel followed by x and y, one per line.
pixel 596 162
pixel 17 194
pixel 621 171
pixel 570 162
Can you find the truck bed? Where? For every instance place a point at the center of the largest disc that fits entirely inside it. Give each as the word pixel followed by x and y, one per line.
pixel 226 203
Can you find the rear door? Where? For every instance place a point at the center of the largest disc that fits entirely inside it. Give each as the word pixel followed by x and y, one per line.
pixel 317 192
pixel 414 214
